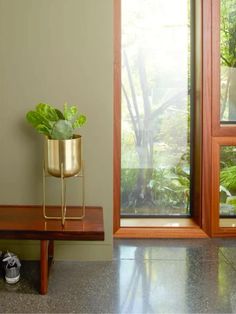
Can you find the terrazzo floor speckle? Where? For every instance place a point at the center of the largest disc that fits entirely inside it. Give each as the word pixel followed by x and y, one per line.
pixel 145 276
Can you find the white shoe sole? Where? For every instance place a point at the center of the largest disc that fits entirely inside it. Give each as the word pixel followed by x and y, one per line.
pixel 12 280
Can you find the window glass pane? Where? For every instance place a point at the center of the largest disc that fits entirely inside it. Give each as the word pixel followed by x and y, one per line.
pixel 228 60
pixel 227 185
pixel 156 88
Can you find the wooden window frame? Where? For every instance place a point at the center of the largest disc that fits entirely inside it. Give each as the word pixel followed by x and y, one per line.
pixel 222 135
pixel 217 143
pixel 217 128
pixel 202 139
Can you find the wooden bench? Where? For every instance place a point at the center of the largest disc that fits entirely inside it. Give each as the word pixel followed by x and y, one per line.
pixel 27 222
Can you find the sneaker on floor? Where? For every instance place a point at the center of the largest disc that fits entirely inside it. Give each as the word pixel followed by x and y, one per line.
pixel 1 265
pixel 11 264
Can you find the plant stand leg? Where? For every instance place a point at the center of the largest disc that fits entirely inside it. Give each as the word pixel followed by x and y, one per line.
pixel 44 191
pixel 63 216
pixel 63 196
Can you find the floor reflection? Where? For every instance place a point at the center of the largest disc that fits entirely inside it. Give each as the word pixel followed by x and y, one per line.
pixel 136 282
pixel 145 276
pixel 176 279
pixel 145 286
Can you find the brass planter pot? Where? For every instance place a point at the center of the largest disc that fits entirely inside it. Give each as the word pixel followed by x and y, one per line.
pixel 63 152
pixel 63 160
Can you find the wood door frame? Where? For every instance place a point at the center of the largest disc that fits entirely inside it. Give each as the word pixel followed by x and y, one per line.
pixel 117 115
pixel 206 111
pixel 203 97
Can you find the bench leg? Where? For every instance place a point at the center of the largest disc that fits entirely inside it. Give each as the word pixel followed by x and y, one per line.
pixel 46 258
pixel 43 266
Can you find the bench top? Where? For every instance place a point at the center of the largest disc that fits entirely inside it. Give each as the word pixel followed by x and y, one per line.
pixel 27 222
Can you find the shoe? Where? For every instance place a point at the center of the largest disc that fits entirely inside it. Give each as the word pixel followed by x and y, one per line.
pixel 11 264
pixel 1 265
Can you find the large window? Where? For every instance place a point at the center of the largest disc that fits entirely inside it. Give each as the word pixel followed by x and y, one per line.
pixel 227 199
pixel 157 106
pixel 223 108
pixel 228 181
pixel 228 60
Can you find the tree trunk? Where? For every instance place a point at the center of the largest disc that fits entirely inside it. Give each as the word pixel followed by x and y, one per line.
pixel 232 95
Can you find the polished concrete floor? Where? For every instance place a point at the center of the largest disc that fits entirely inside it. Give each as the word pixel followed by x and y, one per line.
pixel 145 276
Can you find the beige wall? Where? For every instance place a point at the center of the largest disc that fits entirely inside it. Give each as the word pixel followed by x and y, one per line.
pixel 56 51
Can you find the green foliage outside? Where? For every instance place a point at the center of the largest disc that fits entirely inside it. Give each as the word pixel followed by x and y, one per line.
pixel 228 33
pixel 166 193
pixel 155 172
pixel 228 181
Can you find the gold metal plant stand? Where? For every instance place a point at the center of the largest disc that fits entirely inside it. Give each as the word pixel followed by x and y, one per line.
pixel 63 216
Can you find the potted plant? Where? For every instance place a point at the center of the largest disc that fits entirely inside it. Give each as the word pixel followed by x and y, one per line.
pixel 62 148
pixel 62 145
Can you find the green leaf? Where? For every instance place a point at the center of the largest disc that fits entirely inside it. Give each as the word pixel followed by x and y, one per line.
pixel 70 113
pixel 35 118
pixel 42 129
pixel 41 124
pixel 47 111
pixel 81 120
pixel 60 114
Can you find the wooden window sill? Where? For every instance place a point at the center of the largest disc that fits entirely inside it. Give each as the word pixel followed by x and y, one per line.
pixel 159 228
